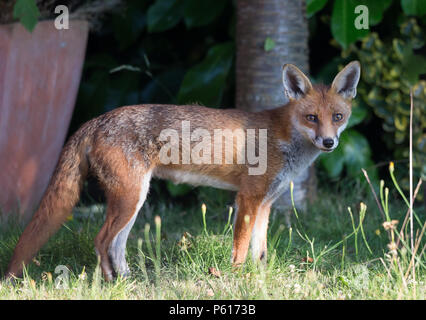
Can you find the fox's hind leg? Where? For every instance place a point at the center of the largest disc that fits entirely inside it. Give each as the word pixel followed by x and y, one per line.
pixel 125 180
pixel 117 248
pixel 122 210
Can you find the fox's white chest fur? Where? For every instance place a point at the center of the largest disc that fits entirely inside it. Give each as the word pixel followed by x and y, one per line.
pixel 298 154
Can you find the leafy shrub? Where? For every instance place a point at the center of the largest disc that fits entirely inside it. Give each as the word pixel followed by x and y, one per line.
pixel 390 70
pixel 390 52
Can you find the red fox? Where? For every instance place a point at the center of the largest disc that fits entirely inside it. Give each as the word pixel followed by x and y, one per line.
pixel 128 146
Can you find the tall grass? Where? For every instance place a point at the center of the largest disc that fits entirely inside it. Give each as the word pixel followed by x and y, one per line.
pixel 326 254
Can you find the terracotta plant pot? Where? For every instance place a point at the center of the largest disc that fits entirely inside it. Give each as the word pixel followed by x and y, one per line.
pixel 39 79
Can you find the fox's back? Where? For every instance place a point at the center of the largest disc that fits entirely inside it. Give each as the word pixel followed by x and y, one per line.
pixel 140 132
pixel 150 119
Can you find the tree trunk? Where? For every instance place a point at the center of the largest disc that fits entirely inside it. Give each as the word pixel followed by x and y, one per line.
pixel 259 84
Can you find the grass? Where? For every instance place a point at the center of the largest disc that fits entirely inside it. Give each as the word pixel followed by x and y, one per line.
pixel 330 252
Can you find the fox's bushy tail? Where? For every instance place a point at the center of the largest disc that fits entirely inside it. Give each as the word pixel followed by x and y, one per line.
pixel 60 197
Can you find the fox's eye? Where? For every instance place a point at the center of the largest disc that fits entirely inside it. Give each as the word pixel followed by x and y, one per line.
pixel 337 117
pixel 312 118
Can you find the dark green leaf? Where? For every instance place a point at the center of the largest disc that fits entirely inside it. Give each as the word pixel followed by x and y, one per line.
pixel 414 7
pixel 163 88
pixel 164 14
pixel 333 162
pixel 27 13
pixel 102 61
pixel 313 6
pixel 343 23
pixel 205 81
pixel 93 92
pixel 127 28
pixel 359 112
pixel 200 13
pixel 413 66
pixel 356 151
pixel 124 89
pixel 329 70
pixel 376 10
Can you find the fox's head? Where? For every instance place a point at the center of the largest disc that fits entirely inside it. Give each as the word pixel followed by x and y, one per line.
pixel 321 113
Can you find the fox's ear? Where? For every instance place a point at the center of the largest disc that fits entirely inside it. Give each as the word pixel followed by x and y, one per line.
pixel 296 84
pixel 346 80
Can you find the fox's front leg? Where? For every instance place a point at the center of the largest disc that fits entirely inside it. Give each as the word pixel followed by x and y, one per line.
pixel 259 233
pixel 249 208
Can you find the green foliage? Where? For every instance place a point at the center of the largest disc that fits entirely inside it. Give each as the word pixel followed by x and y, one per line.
pixel 344 16
pixel 376 9
pixel 204 82
pixel 129 26
pixel 27 13
pixel 164 15
pixel 312 6
pixel 342 22
pixel 177 190
pixel 390 70
pixel 414 7
pixel 356 151
pixel 201 13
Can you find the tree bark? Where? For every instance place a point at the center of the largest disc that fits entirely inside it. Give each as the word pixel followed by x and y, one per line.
pixel 258 73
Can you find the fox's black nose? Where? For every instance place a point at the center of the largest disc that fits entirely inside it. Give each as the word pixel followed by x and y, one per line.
pixel 328 143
